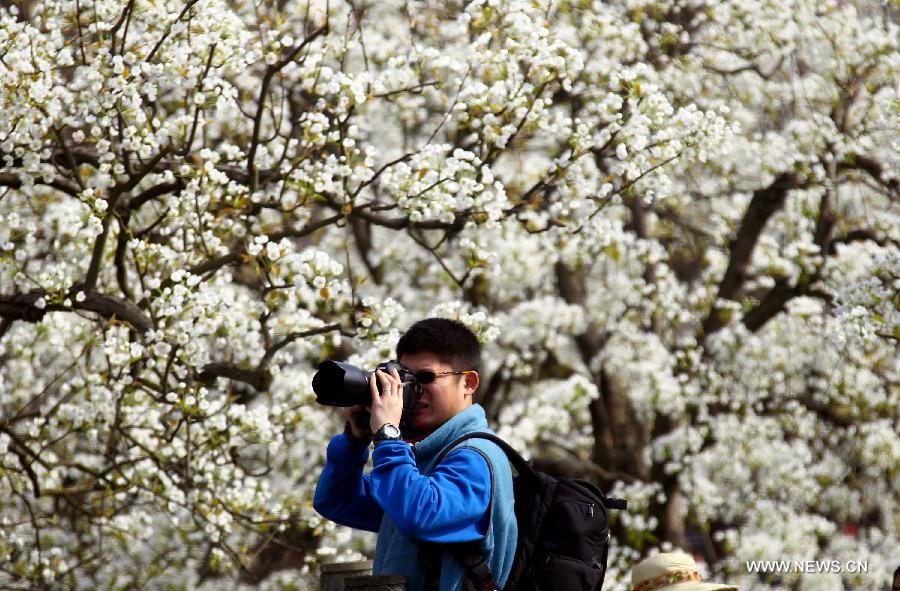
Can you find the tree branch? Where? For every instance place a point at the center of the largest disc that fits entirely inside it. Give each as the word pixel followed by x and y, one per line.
pixel 187 6
pixel 263 91
pixel 306 230
pixel 214 264
pixel 764 203
pixel 267 358
pixel 120 264
pixel 259 378
pixel 859 235
pixel 153 192
pixel 12 181
pixel 873 168
pixel 26 464
pixel 22 307
pixel 775 300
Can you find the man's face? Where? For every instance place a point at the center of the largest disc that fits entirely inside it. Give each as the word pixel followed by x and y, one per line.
pixel 443 398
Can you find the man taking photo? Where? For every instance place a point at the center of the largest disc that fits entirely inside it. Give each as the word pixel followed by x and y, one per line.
pixel 411 502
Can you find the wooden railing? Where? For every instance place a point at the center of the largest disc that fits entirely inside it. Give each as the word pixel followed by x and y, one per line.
pixel 357 576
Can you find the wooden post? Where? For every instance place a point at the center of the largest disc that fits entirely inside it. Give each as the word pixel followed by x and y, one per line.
pixel 335 574
pixel 376 583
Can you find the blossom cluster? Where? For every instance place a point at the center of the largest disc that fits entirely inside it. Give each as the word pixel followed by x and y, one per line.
pixel 672 225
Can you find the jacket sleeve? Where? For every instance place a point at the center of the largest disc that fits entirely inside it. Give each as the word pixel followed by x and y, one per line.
pixel 343 493
pixel 452 504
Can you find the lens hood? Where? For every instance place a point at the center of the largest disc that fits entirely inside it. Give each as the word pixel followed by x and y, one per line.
pixel 341 384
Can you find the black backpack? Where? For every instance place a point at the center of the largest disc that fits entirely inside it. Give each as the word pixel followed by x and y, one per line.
pixel 563 537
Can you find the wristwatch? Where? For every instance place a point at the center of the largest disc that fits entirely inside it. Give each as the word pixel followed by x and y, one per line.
pixel 387 431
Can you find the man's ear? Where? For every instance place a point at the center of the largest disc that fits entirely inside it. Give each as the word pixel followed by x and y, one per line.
pixel 472 381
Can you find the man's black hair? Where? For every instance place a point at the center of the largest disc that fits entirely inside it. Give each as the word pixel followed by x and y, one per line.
pixel 450 341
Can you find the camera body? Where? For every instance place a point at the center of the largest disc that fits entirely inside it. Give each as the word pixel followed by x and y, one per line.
pixel 341 384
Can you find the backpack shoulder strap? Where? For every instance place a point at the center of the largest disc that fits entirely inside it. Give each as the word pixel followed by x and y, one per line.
pixel 478 576
pixel 518 462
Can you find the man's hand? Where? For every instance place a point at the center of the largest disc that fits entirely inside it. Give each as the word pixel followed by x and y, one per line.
pixel 360 433
pixel 387 407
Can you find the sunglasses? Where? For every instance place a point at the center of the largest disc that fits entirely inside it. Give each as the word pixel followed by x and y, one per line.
pixel 426 376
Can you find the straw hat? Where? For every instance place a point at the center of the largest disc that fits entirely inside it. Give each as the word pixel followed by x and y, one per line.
pixel 671 571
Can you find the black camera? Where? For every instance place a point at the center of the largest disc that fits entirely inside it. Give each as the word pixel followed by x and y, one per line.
pixel 342 384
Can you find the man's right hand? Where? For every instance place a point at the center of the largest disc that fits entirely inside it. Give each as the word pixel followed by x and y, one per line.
pixel 358 432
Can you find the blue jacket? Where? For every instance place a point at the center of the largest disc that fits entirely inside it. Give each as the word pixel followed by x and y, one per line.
pixel 469 496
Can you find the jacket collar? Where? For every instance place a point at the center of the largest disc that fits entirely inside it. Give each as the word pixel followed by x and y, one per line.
pixel 466 421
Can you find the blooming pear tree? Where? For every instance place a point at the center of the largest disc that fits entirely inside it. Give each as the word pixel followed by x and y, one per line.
pixel 674 224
